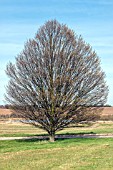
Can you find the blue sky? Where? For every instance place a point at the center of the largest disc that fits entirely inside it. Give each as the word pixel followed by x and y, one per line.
pixel 20 20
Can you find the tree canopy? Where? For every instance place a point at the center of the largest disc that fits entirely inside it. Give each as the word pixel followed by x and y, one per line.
pixel 56 80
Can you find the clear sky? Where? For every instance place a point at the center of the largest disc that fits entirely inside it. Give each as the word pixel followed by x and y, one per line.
pixel 20 20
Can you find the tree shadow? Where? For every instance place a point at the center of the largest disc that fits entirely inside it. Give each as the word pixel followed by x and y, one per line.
pixel 58 137
pixel 32 140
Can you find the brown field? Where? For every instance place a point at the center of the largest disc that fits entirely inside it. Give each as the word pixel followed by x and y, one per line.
pixel 5 111
pixel 107 111
pixel 106 114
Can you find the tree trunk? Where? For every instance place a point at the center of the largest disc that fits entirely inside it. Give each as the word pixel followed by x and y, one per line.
pixel 52 138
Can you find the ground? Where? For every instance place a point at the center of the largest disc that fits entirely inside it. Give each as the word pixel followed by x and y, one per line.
pixel 64 154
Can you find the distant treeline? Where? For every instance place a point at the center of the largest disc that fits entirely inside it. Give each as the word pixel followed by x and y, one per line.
pixel 5 106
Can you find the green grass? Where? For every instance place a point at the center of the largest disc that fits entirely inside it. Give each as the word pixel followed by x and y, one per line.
pixel 64 154
pixel 67 154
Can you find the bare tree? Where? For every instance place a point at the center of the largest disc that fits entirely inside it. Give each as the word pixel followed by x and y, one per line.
pixel 57 80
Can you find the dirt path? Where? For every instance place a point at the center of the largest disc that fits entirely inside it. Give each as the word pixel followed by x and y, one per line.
pixel 60 136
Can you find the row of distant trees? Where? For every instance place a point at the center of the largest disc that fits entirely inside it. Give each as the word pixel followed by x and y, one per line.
pixel 7 106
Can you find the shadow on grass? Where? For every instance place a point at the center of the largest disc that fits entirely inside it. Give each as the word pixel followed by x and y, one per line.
pixel 45 143
pixel 32 140
pixel 58 137
pixel 81 133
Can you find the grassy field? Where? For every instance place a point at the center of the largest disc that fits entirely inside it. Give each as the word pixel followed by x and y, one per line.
pixel 67 154
pixel 64 154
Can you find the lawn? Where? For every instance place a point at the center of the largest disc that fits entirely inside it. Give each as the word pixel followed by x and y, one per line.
pixel 67 154
pixel 64 154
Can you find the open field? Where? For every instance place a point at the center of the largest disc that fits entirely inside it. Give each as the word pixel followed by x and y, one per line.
pixel 67 154
pixel 106 114
pixel 106 111
pixel 5 111
pixel 64 154
pixel 19 129
pixel 7 128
